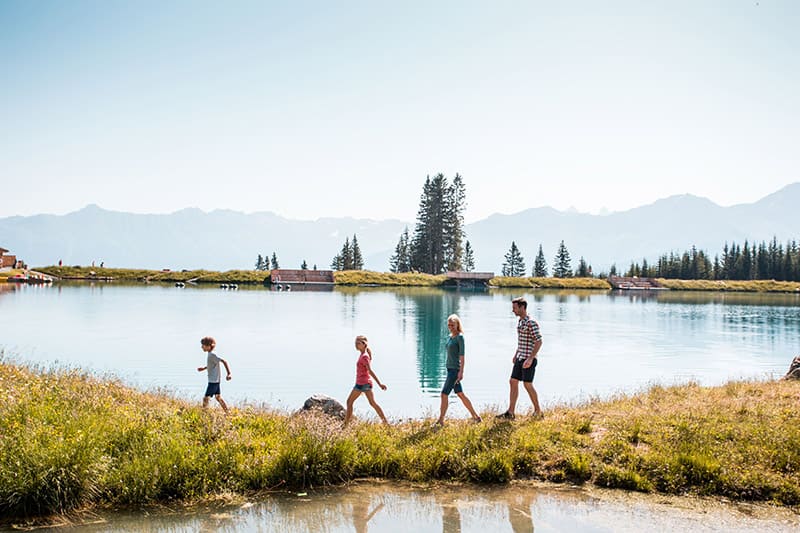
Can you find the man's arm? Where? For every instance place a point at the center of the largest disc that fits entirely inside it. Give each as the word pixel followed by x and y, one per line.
pixel 529 360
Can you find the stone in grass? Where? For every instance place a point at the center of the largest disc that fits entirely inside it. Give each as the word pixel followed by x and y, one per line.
pixel 794 369
pixel 325 404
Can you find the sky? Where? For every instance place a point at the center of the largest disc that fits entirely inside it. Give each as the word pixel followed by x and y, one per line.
pixel 314 109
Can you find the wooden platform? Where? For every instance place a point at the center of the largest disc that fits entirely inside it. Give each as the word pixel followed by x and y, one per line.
pixel 635 283
pixel 284 276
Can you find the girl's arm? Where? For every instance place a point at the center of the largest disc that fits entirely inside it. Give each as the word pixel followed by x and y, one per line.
pixel 460 368
pixel 375 377
pixel 200 368
pixel 224 362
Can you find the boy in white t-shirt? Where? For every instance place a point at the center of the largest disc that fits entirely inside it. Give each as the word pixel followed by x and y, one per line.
pixel 212 365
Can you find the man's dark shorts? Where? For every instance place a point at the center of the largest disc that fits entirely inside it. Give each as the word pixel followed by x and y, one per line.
pixel 524 374
pixel 450 384
pixel 212 389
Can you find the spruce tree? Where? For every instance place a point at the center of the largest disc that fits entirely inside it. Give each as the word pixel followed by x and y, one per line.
pixel 469 258
pixel 401 260
pixel 540 265
pixel 260 263
pixel 436 245
pixel 347 255
pixel 562 266
pixel 453 226
pixel 275 264
pixel 358 260
pixel 514 265
pixel 304 266
pixel 583 269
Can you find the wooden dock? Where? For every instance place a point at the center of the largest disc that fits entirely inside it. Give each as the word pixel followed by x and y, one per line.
pixel 285 276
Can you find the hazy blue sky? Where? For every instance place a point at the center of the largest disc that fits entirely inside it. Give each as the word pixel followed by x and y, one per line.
pixel 337 108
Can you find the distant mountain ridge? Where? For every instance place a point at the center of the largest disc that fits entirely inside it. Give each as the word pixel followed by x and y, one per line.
pixel 223 239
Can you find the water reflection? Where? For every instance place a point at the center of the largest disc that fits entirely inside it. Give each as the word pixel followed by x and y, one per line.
pixel 450 509
pixel 430 312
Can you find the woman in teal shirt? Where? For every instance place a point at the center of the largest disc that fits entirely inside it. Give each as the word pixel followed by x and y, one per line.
pixel 455 369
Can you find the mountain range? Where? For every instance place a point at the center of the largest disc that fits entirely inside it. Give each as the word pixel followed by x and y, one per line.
pixel 223 239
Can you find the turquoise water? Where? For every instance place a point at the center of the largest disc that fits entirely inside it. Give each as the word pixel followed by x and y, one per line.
pixel 284 346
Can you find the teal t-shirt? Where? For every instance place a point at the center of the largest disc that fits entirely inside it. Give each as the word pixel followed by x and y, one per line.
pixel 455 349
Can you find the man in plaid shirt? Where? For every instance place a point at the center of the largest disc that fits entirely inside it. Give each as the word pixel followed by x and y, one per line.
pixel 528 344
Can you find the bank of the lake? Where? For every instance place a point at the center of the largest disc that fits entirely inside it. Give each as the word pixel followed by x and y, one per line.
pixel 69 440
pixel 406 279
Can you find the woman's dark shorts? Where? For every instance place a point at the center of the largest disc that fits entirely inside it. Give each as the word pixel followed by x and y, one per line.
pixel 524 374
pixel 363 388
pixel 212 389
pixel 450 384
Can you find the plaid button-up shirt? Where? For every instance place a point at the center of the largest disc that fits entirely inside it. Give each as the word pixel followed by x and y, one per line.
pixel 528 334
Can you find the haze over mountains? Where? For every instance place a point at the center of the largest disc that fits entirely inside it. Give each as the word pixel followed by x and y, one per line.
pixel 223 240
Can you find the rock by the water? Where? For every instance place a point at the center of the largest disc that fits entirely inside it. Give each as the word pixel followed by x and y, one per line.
pixel 794 369
pixel 326 404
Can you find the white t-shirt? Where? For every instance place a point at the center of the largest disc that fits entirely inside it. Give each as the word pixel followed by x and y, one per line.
pixel 213 367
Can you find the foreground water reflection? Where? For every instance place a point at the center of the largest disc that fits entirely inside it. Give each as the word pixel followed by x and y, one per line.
pixel 520 508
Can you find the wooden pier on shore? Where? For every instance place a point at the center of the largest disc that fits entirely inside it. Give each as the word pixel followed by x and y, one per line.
pixel 285 276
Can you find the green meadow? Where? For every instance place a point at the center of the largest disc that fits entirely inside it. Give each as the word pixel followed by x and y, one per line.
pixel 72 441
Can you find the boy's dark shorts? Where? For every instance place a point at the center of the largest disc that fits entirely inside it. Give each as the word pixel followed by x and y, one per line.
pixel 524 374
pixel 212 389
pixel 450 384
pixel 363 388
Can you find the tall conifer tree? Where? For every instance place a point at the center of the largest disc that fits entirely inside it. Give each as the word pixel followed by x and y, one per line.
pixel 514 265
pixel 469 258
pixel 562 266
pixel 540 264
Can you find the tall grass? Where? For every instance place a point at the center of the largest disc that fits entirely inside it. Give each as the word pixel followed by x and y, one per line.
pixel 69 440
pixel 550 283
pixel 132 274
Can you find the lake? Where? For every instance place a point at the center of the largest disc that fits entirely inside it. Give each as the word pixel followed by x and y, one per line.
pixel 284 346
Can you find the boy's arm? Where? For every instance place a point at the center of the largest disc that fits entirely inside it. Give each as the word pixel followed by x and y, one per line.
pixel 227 368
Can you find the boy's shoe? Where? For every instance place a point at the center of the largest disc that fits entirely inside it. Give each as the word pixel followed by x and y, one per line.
pixel 506 416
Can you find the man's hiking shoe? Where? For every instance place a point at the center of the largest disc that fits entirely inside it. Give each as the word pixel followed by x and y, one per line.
pixel 506 416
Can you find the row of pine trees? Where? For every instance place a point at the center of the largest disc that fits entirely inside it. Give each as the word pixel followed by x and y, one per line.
pixel 438 244
pixel 748 261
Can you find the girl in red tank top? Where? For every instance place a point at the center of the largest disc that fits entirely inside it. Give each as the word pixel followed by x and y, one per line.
pixel 364 375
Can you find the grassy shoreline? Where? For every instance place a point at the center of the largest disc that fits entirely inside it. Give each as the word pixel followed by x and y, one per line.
pixel 409 279
pixel 70 440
